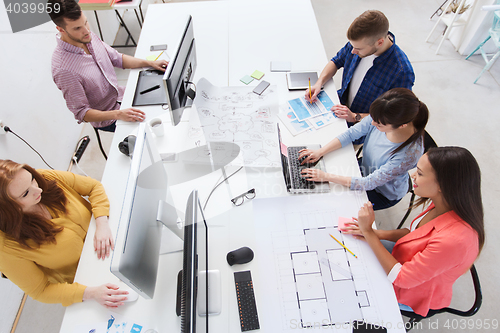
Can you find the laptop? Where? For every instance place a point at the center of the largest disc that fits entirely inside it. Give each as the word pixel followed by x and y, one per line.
pixel 292 169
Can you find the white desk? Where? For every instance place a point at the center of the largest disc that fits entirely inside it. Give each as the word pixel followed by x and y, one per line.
pixel 233 38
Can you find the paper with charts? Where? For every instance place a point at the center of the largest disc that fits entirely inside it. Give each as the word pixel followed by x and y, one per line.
pixel 236 114
pixel 307 280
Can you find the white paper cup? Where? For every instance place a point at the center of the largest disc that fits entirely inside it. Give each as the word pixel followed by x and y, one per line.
pixel 157 127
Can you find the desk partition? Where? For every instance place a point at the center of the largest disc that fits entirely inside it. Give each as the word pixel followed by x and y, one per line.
pixel 233 38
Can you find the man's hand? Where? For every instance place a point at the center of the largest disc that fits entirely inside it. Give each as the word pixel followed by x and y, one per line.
pixel 343 112
pixel 131 114
pixel 160 65
pixel 315 90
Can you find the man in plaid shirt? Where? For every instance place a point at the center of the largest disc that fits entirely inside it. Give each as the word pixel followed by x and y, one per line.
pixel 373 64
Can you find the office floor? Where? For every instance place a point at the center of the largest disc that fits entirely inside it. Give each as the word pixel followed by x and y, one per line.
pixel 461 113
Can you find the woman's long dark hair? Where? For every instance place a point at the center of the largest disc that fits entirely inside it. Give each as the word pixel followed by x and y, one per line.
pixel 21 226
pixel 459 179
pixel 400 106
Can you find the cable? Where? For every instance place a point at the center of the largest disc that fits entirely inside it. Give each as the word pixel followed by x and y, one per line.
pixel 7 129
pixel 204 206
pixel 76 163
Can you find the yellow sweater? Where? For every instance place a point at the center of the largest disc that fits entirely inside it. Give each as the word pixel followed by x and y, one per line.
pixel 46 273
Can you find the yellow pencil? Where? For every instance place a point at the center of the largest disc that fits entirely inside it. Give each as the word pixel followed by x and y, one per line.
pixel 355 256
pixel 159 55
pixel 310 94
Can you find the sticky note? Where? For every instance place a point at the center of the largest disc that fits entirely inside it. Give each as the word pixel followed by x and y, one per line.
pixel 343 221
pixel 246 79
pixel 257 75
pixel 151 57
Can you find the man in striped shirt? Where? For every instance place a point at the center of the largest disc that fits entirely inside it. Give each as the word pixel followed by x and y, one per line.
pixel 83 69
pixel 373 64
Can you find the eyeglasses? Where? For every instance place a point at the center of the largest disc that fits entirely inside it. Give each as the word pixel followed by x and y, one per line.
pixel 238 201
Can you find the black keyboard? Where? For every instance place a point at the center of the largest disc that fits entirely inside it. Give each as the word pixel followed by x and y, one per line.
pixel 298 181
pixel 247 308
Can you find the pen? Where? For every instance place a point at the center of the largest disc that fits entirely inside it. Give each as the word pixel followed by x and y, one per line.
pixel 150 89
pixel 159 55
pixel 355 256
pixel 310 94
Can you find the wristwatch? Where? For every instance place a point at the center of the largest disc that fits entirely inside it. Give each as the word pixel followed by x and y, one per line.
pixel 357 118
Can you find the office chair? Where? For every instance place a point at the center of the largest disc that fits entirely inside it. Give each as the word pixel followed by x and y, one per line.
pixel 428 143
pixel 100 143
pixel 415 318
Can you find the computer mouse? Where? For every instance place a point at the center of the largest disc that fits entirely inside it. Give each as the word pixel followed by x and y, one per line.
pixel 239 256
pixel 132 294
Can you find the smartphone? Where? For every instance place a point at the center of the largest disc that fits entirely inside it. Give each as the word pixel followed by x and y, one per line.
pixel 158 47
pixel 261 87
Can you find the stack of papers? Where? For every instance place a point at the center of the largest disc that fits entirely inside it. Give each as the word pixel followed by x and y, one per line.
pixel 299 115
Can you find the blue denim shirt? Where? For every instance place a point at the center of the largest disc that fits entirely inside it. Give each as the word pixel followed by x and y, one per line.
pixel 385 172
pixel 391 69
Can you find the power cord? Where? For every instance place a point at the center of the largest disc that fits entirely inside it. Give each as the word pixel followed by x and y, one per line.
pixel 7 129
pixel 76 163
pixel 215 187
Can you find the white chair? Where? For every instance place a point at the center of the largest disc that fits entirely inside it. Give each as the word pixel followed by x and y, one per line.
pixel 452 20
pixel 494 35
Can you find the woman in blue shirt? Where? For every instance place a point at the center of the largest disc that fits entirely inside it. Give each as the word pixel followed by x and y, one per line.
pixel 394 143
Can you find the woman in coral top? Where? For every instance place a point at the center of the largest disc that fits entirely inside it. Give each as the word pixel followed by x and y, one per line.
pixel 43 224
pixel 442 242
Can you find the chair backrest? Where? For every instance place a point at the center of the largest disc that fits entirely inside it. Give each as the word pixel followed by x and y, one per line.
pixel 428 142
pixel 472 311
pixel 477 301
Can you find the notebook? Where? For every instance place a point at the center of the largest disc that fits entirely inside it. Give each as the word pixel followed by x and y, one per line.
pixel 290 164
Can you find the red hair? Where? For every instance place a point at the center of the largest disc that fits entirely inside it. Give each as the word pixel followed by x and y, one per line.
pixel 21 226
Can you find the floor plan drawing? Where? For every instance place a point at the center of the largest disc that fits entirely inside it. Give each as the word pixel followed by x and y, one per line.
pixel 315 282
pixel 237 115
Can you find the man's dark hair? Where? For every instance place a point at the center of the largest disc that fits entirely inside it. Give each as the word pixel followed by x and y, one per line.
pixel 68 9
pixel 372 24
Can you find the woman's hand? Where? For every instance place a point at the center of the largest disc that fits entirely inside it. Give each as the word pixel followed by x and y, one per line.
pixel 310 156
pixel 352 228
pixel 315 175
pixel 103 238
pixel 366 217
pixel 108 295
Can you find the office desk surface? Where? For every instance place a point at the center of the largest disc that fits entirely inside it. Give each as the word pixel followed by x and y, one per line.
pixel 233 38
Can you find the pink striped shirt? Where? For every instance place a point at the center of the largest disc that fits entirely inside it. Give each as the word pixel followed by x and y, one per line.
pixel 88 81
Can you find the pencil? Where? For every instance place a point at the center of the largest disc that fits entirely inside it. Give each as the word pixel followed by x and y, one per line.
pixel 310 94
pixel 159 55
pixel 355 256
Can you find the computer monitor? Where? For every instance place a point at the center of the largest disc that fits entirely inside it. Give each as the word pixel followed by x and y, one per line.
pixel 179 73
pixel 138 239
pixel 195 260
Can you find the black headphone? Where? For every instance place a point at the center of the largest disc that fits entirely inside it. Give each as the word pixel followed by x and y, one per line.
pixel 127 145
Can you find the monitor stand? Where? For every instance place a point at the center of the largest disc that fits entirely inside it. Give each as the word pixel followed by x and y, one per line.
pixel 214 293
pixel 168 216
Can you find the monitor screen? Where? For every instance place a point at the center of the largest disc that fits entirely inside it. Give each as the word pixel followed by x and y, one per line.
pixel 180 72
pixel 195 260
pixel 138 239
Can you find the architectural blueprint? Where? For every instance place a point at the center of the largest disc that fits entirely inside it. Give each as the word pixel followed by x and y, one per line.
pixel 313 281
pixel 236 114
